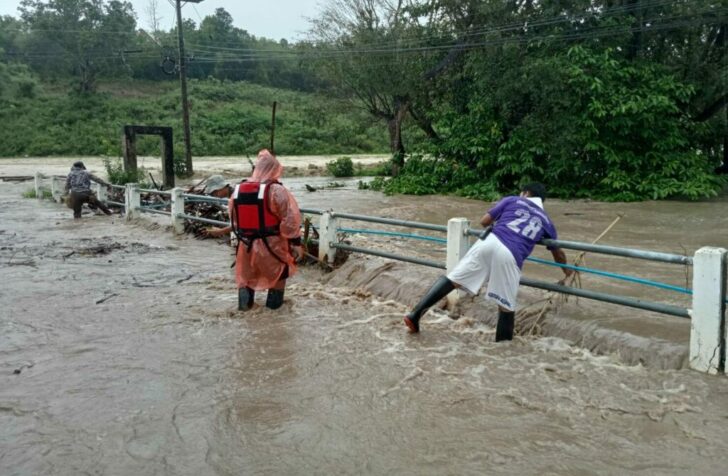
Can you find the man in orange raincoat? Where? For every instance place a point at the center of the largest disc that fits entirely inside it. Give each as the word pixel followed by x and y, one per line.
pixel 267 221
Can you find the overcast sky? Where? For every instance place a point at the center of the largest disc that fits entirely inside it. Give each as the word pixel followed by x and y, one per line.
pixel 273 19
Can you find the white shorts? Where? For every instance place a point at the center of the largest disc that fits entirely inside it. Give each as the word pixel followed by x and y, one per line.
pixel 489 260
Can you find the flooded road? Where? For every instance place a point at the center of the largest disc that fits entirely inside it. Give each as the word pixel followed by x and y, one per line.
pixel 121 352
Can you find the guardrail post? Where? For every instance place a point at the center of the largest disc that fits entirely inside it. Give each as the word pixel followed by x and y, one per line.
pixel 707 342
pixel 458 244
pixel 132 201
pixel 96 189
pixel 56 191
pixel 178 208
pixel 38 185
pixel 102 193
pixel 327 236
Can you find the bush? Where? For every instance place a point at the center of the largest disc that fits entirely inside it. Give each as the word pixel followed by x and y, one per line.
pixel 118 176
pixel 26 89
pixel 341 167
pixel 427 176
pixel 180 166
pixel 45 193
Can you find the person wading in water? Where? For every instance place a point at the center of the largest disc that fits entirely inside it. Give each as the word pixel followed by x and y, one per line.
pixel 520 223
pixel 78 182
pixel 266 219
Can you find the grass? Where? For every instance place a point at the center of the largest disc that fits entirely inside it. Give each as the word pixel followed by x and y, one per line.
pixel 45 193
pixel 227 118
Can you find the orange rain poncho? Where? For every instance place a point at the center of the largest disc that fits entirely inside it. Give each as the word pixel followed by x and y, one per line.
pixel 257 268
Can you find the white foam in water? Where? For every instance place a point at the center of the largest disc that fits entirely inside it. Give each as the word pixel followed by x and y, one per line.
pixel 552 344
pixel 367 320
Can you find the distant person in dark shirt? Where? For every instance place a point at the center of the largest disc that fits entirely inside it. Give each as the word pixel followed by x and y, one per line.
pixel 78 183
pixel 497 258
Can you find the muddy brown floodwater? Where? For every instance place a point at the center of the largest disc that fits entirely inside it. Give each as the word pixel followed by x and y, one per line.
pixel 121 352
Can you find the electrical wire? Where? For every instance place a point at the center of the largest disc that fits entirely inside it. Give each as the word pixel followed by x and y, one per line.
pixel 646 26
pixel 516 26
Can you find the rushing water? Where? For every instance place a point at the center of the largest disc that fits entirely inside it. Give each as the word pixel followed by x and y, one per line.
pixel 121 353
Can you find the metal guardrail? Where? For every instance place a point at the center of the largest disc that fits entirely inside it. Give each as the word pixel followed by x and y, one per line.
pixel 121 187
pixel 617 251
pixel 118 204
pixel 205 198
pixel 609 250
pixel 393 233
pixel 610 298
pixel 312 211
pixel 384 254
pixel 155 211
pixel 391 221
pixel 203 220
pixel 584 293
pixel 158 192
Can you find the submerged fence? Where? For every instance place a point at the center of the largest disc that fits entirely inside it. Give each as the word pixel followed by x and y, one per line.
pixel 709 331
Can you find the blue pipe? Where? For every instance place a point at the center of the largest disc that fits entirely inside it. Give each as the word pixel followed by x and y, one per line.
pixel 607 274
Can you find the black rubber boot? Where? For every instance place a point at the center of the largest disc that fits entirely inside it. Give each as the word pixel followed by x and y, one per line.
pixel 504 329
pixel 439 290
pixel 246 297
pixel 274 299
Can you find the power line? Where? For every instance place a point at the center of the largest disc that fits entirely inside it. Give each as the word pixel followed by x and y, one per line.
pixel 253 55
pixel 606 32
pixel 594 33
pixel 506 27
pixel 514 26
pixel 382 47
pixel 597 32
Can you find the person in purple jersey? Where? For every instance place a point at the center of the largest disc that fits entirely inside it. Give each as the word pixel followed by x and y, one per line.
pixel 520 223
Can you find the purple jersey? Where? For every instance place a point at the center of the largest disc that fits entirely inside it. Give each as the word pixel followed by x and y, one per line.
pixel 520 224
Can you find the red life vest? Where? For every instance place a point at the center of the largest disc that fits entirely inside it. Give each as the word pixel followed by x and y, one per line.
pixel 251 216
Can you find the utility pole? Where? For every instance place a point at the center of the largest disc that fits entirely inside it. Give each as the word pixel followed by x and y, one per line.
pixel 183 86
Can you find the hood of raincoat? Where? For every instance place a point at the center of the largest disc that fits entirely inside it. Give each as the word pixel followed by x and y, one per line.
pixel 267 168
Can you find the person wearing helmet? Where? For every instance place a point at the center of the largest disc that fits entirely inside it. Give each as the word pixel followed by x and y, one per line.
pixel 266 219
pixel 78 185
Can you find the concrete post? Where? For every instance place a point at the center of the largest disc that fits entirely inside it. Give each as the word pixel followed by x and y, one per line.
pixel 327 236
pixel 132 201
pixel 457 241
pixel 56 189
pixel 458 244
pixel 38 185
pixel 178 208
pixel 707 351
pixel 96 189
pixel 102 193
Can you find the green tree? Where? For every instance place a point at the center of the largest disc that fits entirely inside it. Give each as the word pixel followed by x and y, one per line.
pixel 360 44
pixel 85 38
